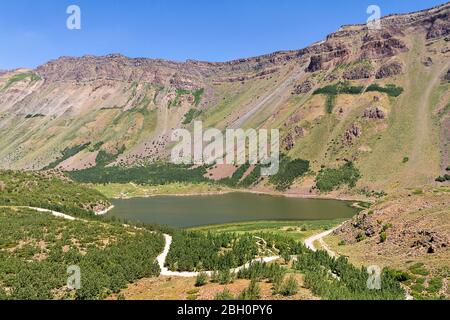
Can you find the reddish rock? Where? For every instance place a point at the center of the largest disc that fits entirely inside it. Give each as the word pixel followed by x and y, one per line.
pixel 389 70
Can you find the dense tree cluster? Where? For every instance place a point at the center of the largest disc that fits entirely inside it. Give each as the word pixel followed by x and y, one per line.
pixel 331 178
pixel 197 251
pixel 46 190
pixel 337 279
pixel 36 249
pixel 332 91
pixel 289 171
pixel 152 174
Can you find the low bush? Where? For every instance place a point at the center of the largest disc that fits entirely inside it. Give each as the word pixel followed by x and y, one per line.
pixel 289 287
pixel 330 179
pixel 201 280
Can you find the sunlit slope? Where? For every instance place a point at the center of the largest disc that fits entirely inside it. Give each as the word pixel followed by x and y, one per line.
pixel 376 98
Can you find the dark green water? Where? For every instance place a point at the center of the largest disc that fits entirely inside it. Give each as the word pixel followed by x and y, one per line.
pixel 192 211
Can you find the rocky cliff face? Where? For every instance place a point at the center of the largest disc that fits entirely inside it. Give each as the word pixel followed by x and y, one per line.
pixel 74 112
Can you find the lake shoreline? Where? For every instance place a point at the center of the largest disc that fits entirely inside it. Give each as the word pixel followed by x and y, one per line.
pixel 232 207
pixel 269 193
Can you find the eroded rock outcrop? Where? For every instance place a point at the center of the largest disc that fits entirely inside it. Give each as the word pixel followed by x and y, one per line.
pixel 377 48
pixel 292 136
pixel 355 131
pixel 447 76
pixel 389 70
pixel 374 113
pixel 303 87
pixel 358 72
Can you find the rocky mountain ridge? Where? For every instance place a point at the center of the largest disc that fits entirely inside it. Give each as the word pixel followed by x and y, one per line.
pixel 73 113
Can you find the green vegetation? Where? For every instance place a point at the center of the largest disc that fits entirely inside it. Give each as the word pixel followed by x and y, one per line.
pixel 131 190
pixel 252 178
pixel 198 251
pixel 36 250
pixel 331 179
pixel 398 275
pixel 337 279
pixel 390 89
pixel 197 94
pixel 152 174
pixel 289 287
pixel 260 271
pixel 66 154
pixel 235 179
pixel 104 158
pixel 224 295
pixel 419 269
pixel 340 88
pixel 289 171
pixel 435 285
pixel 383 237
pixel 424 287
pixel 48 191
pixel 443 178
pixel 20 77
pixel 160 174
pixel 253 292
pixel 296 230
pixel 332 91
pixel 191 115
pixel 201 279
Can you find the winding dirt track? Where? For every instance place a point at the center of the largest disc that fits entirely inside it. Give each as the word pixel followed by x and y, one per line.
pixel 165 271
pixel 309 243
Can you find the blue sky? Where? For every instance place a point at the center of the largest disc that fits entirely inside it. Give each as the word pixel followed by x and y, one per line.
pixel 34 31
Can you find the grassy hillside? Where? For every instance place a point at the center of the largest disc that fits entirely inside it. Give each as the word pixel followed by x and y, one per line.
pixel 49 191
pixel 36 249
pixel 406 232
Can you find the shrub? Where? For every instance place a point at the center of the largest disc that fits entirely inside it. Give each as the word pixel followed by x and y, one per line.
pixel 360 237
pixel 390 89
pixel 419 269
pixel 383 237
pixel 191 115
pixel 224 295
pixel 277 282
pixel 201 279
pixel 253 292
pixel 288 172
pixel 215 277
pixel 330 179
pixel 289 287
pixel 435 285
pixel 398 275
pixel 225 276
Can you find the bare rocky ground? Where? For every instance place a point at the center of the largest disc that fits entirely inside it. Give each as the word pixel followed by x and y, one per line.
pixel 173 288
pixel 416 227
